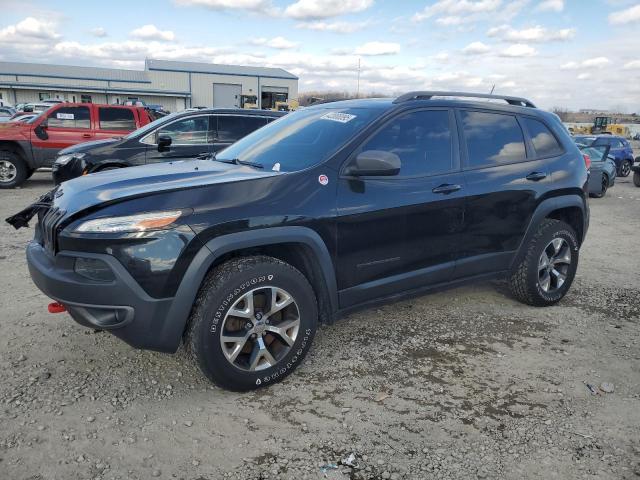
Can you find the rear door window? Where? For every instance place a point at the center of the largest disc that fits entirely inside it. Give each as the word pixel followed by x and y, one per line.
pixel 544 142
pixel 116 119
pixel 234 127
pixel 69 117
pixel 492 139
pixel 421 139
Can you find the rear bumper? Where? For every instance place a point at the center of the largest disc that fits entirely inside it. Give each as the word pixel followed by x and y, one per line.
pixel 120 306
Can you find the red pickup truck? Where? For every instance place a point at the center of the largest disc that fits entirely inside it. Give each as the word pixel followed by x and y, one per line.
pixel 26 146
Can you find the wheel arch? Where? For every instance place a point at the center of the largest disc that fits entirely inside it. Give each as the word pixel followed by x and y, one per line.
pixel 570 209
pixel 301 247
pixel 109 164
pixel 16 148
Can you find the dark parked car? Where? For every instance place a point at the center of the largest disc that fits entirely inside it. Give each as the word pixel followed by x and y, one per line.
pixel 602 172
pixel 335 207
pixel 186 134
pixel 621 149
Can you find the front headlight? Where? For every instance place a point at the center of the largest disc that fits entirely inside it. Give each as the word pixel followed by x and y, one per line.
pixel 64 159
pixel 131 223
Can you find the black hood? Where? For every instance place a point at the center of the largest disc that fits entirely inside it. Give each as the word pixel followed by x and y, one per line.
pixel 105 187
pixel 92 145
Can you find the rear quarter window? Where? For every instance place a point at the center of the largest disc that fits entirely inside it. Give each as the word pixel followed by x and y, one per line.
pixel 116 119
pixel 544 142
pixel 492 139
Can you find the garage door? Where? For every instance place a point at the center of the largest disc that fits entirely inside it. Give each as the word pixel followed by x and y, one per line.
pixel 226 95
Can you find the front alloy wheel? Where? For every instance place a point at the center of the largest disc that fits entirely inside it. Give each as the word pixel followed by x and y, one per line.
pixel 260 328
pixel 253 322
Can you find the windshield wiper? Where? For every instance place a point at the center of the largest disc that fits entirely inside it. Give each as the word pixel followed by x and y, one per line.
pixel 237 161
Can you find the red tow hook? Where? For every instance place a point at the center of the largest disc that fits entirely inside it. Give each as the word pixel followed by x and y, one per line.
pixel 56 307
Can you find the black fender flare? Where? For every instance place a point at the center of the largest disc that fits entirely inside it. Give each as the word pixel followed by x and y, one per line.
pixel 192 280
pixel 543 210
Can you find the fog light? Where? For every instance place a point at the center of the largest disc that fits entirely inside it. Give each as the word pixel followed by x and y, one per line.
pixel 93 269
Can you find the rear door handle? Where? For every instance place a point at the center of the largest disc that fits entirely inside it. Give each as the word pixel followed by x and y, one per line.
pixel 535 176
pixel 446 188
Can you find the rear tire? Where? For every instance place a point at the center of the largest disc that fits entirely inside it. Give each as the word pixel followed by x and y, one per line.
pixel 604 185
pixel 546 271
pixel 269 312
pixel 13 170
pixel 625 168
pixel 636 179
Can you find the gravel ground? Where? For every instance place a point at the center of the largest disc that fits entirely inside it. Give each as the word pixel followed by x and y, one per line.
pixel 466 383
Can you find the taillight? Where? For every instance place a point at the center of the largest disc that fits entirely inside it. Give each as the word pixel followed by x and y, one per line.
pixel 587 161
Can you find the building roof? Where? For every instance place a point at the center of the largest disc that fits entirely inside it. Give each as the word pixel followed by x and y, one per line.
pixel 197 67
pixel 72 72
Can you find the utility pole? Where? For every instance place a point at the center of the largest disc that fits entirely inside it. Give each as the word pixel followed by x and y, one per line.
pixel 358 84
pixel 492 89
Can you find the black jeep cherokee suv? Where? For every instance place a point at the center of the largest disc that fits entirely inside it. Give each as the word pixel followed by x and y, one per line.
pixel 327 209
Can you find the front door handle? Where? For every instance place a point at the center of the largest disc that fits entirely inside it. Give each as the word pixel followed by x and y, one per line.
pixel 535 176
pixel 86 135
pixel 446 188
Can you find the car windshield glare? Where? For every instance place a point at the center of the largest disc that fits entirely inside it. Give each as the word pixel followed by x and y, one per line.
pixel 301 139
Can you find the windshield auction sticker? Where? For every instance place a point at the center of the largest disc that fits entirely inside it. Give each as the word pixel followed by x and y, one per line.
pixel 338 117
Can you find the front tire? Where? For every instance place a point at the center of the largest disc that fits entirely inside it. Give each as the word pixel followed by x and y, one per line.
pixel 546 271
pixel 625 168
pixel 253 322
pixel 13 170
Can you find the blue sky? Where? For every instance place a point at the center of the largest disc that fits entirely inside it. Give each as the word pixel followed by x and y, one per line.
pixel 571 53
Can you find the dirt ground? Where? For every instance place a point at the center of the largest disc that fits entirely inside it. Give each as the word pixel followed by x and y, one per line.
pixel 466 383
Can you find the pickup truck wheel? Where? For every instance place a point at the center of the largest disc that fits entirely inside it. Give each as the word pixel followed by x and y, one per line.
pixel 636 179
pixel 547 269
pixel 13 170
pixel 625 168
pixel 252 323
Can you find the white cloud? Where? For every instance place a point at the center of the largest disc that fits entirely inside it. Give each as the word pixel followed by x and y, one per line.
pixel 280 43
pixel 584 76
pixel 30 27
pixel 476 48
pixel 316 9
pixel 532 34
pixel 550 6
pixel 251 5
pixel 456 9
pixel 151 32
pixel 377 48
pixel 335 27
pixel 630 15
pixel 632 65
pixel 597 62
pixel 99 32
pixel 519 50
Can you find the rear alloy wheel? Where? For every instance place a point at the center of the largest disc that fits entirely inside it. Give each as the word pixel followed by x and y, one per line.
pixel 13 171
pixel 625 168
pixel 253 322
pixel 545 272
pixel 604 186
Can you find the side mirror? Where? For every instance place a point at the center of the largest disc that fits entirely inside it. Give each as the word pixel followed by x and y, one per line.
pixel 41 131
pixel 375 163
pixel 164 143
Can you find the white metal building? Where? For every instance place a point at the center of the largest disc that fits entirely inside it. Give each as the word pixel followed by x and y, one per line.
pixel 175 85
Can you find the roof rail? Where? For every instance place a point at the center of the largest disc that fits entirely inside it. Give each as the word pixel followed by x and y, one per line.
pixel 427 95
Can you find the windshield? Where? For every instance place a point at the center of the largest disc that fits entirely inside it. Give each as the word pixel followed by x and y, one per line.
pixel 300 139
pixel 150 126
pixel 33 119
